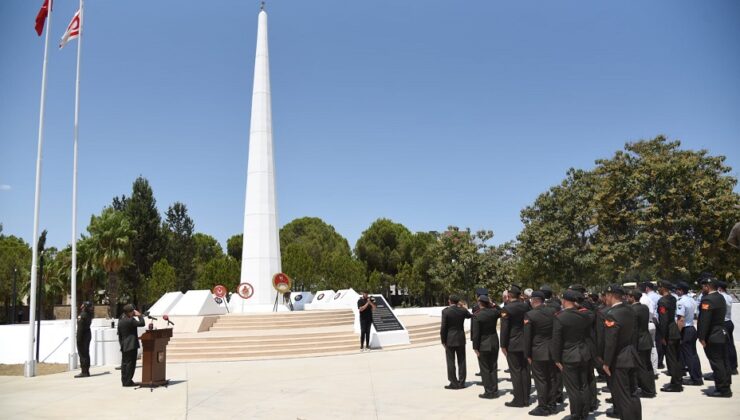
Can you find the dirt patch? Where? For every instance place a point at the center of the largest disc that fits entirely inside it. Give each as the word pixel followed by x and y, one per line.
pixel 41 369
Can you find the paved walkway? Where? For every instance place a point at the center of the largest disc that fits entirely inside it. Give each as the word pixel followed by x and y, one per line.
pixel 387 384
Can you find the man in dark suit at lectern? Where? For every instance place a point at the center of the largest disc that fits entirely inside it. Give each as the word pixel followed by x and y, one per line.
pixel 452 333
pixel 128 338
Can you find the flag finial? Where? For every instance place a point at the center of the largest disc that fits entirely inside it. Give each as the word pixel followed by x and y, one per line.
pixel 262 5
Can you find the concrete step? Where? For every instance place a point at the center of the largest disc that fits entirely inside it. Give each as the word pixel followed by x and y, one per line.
pixel 219 354
pixel 249 342
pixel 265 326
pixel 288 337
pixel 289 315
pixel 318 321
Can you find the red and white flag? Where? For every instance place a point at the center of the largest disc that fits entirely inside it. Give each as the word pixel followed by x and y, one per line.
pixel 73 30
pixel 41 17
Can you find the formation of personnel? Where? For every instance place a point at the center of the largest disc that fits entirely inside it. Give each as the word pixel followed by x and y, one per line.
pixel 559 344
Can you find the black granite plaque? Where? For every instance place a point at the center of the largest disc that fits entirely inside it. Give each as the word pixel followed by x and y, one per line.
pixel 383 318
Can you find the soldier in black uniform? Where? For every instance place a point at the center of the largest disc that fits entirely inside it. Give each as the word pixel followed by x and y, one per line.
pixel 84 319
pixel 452 333
pixel 537 339
pixel 644 344
pixel 485 344
pixel 712 336
pixel 671 336
pixel 128 338
pixel 620 355
pixel 512 344
pixel 572 353
pixel 552 301
pixel 590 310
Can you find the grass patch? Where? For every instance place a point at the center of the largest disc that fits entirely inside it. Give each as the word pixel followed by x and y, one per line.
pixel 41 369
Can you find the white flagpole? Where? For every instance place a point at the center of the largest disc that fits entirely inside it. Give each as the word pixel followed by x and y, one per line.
pixel 73 274
pixel 30 367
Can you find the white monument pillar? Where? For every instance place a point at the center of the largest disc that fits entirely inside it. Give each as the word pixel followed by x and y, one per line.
pixel 261 246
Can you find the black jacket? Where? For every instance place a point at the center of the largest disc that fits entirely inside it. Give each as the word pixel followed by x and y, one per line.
pixel 569 336
pixel 642 339
pixel 483 330
pixel 128 333
pixel 667 318
pixel 452 330
pixel 512 325
pixel 83 324
pixel 619 349
pixel 711 326
pixel 538 324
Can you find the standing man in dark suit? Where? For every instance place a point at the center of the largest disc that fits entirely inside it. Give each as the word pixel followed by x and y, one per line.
pixel 366 306
pixel 84 335
pixel 537 337
pixel 128 338
pixel 512 344
pixel 620 355
pixel 485 344
pixel 644 343
pixel 452 332
pixel 670 336
pixel 712 336
pixel 573 354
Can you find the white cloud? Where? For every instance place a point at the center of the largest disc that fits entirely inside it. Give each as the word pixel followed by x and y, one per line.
pixel 4 187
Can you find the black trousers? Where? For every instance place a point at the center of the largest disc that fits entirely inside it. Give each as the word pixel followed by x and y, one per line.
pixel 575 378
pixel 83 350
pixel 520 379
pixel 544 382
pixel 644 375
pixel 731 350
pixel 365 325
pixel 687 353
pixel 626 404
pixel 128 366
pixel 718 360
pixel 659 345
pixel 591 384
pixel 558 387
pixel 488 363
pixel 451 353
pixel 675 369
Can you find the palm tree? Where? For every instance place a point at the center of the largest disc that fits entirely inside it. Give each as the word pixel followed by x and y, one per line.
pixel 110 240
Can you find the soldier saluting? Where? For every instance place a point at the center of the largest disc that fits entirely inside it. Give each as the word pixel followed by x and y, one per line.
pixel 620 356
pixel 712 336
pixel 84 335
pixel 572 353
pixel 485 344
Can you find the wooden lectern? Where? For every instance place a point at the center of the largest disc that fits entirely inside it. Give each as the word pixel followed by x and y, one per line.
pixel 154 359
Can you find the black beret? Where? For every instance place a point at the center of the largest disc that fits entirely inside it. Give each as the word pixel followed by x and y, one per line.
pixel 572 295
pixel 546 288
pixel 636 294
pixel 666 284
pixel 515 290
pixel 682 285
pixel 578 288
pixel 615 288
pixel 481 291
pixel 484 299
pixel 538 294
pixel 721 283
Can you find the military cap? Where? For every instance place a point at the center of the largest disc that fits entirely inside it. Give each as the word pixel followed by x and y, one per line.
pixel 572 295
pixel 547 290
pixel 709 280
pixel 538 294
pixel 577 287
pixel 515 289
pixel 721 284
pixel 635 293
pixel 665 284
pixel 615 288
pixel 484 299
pixel 481 291
pixel 682 285
pixel 128 308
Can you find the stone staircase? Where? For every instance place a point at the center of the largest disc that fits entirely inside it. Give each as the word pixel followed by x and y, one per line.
pixel 282 335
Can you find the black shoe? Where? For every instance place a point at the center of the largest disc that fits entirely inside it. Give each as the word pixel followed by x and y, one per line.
pixel 82 375
pixel 488 396
pixel 646 395
pixel 462 385
pixel 718 394
pixel 733 372
pixel 477 374
pixel 709 376
pixel 514 404
pixel 560 399
pixel 540 412
pixel 661 366
pixel 131 384
pixel 606 389
pixel 672 388
pixel 611 413
pixel 610 400
pixel 452 386
pixel 691 382
pixel 601 378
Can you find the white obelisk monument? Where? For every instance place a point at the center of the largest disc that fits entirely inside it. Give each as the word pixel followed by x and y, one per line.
pixel 261 246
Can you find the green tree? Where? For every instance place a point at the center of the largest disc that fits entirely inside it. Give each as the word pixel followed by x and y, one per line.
pixel 148 243
pixel 207 248
pixel 110 239
pixel 414 276
pixel 384 247
pixel 162 280
pixel 316 257
pixel 222 270
pixel 181 252
pixel 234 247
pixel 15 265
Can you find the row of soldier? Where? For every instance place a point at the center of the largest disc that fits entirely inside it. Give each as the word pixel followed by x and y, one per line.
pixel 559 344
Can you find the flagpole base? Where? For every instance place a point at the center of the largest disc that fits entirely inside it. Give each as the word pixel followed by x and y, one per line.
pixel 29 369
pixel 73 361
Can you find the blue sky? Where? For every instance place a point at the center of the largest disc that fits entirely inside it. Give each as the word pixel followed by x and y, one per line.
pixel 431 113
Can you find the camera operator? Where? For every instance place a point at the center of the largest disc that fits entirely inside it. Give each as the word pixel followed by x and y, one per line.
pixel 128 338
pixel 366 305
pixel 84 336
